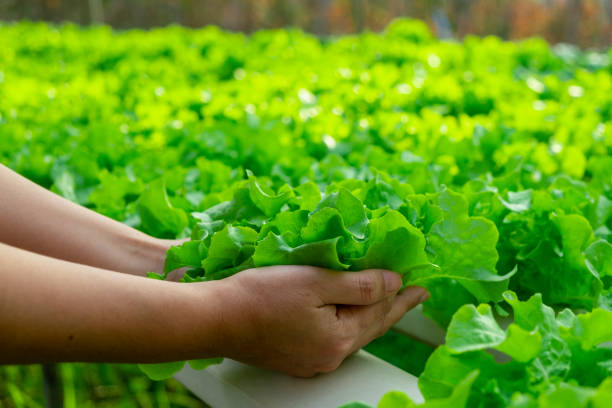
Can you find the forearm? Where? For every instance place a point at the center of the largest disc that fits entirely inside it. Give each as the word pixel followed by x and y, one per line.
pixel 52 310
pixel 37 220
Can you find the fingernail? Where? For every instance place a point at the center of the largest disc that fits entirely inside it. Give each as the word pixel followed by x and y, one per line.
pixel 393 282
pixel 424 296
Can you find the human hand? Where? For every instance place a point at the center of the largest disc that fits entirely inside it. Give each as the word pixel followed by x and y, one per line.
pixel 304 320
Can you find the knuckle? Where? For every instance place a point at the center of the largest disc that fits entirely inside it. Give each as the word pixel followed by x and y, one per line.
pixel 338 326
pixel 370 286
pixel 379 315
pixel 366 287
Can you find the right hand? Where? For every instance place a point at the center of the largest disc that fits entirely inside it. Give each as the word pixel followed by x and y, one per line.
pixel 304 320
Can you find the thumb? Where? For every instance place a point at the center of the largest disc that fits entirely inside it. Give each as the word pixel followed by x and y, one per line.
pixel 359 288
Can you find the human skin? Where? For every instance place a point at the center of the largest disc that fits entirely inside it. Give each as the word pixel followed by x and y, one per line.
pixel 35 219
pixel 71 301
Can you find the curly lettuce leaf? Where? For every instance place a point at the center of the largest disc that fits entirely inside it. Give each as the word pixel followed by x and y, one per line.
pixel 158 217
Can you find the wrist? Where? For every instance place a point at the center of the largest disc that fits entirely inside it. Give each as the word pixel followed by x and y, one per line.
pixel 143 253
pixel 206 320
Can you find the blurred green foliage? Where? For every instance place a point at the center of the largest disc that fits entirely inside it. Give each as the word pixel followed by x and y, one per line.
pixel 137 125
pixel 386 347
pixel 93 385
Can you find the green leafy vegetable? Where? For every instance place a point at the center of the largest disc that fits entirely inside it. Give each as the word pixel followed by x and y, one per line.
pixel 470 167
pixel 548 354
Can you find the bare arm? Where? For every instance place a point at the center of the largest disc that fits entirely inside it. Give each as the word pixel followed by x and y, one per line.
pixel 38 220
pixel 300 320
pixel 53 310
pixel 284 318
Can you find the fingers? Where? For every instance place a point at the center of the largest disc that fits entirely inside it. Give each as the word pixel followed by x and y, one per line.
pixel 176 274
pixel 358 288
pixel 373 321
pixel 365 322
pixel 405 301
pixel 362 318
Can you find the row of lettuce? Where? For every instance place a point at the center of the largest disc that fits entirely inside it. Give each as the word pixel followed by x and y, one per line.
pixel 481 170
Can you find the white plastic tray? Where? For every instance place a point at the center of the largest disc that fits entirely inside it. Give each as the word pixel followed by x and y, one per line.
pixel 420 327
pixel 361 377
